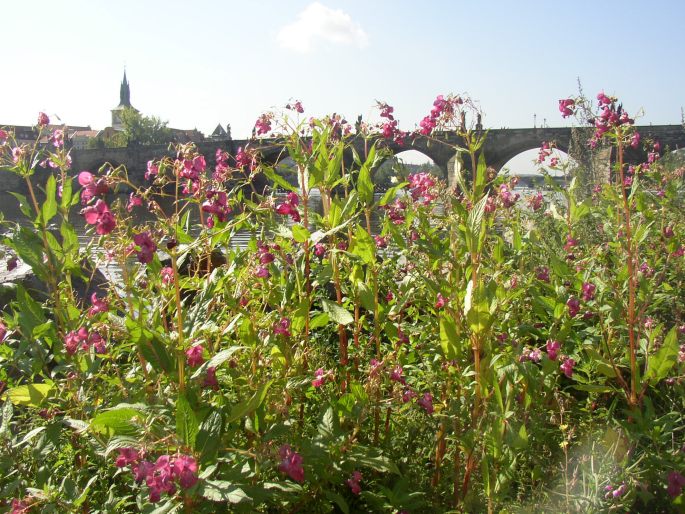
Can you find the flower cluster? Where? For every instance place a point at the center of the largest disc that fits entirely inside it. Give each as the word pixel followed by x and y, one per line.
pixel 144 247
pixel 263 124
pixel 567 366
pixel 191 168
pixel 194 355
pixel 216 206
pixel 395 211
pixel 162 475
pixel 82 339
pixel 92 187
pixel 390 128
pixel 320 377
pixel 421 186
pixel 295 106
pixel 282 327
pixel 289 207
pixel 97 305
pixel 567 107
pixel 100 216
pixel 615 493
pixel 441 107
pixel 291 463
pixel 353 482
pixel 507 197
pixel 676 482
pixel 553 348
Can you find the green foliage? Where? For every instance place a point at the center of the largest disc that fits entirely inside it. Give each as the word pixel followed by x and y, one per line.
pixel 418 350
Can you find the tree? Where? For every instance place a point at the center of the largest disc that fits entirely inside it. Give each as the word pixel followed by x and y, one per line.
pixel 144 130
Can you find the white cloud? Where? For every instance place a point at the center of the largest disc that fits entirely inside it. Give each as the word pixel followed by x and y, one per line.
pixel 318 23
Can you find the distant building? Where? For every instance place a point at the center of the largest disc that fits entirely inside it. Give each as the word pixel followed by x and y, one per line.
pixel 124 103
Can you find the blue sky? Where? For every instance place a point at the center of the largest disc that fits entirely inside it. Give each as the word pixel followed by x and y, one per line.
pixel 199 63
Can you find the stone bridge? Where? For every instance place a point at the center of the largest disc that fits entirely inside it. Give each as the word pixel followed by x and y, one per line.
pixel 500 146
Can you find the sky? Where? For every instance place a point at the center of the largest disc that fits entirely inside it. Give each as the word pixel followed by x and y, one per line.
pixel 196 64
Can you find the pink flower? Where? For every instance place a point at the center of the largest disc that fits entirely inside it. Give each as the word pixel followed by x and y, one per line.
pixel 160 479
pixel 396 375
pixel 553 348
pixel 319 250
pixel 535 201
pixel 19 506
pixel 676 482
pixel 527 354
pixel 635 140
pixel 426 403
pixel 291 463
pixel 142 470
pixel 216 205
pixel 57 138
pixel 567 367
pixel 17 154
pixel 147 247
pixel 282 327
pixel 91 186
pixel 185 468
pixel 420 186
pixel 97 305
pixel 542 273
pixel 603 99
pixel 194 355
pixel 75 339
pixel 668 231
pixel 127 456
pixel 152 170
pixel 263 124
pixel 97 342
pixel 353 482
pixel 167 274
pixel 3 331
pixel 43 119
pixel 440 302
pixel 567 107
pixel 100 215
pixel 573 305
pixel 210 379
pixel 262 272
pixel 320 379
pixel 133 201
pixel 407 395
pixel 3 136
pixel 588 291
pixel 289 207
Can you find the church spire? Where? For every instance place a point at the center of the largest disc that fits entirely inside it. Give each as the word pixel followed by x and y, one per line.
pixel 124 93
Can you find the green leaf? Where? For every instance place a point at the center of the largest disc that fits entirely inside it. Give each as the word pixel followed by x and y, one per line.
pixel 29 395
pixel 300 233
pixel 391 193
pixel 118 421
pixel 448 336
pixel 223 491
pixel 186 421
pixel 208 437
pixel 278 180
pixel 364 181
pixel 363 245
pixel 49 208
pixel 664 359
pixel 216 361
pixel 336 313
pixel 364 456
pixel 338 500
pixel 243 409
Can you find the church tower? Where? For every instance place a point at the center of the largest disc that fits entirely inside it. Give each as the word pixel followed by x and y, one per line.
pixel 124 103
